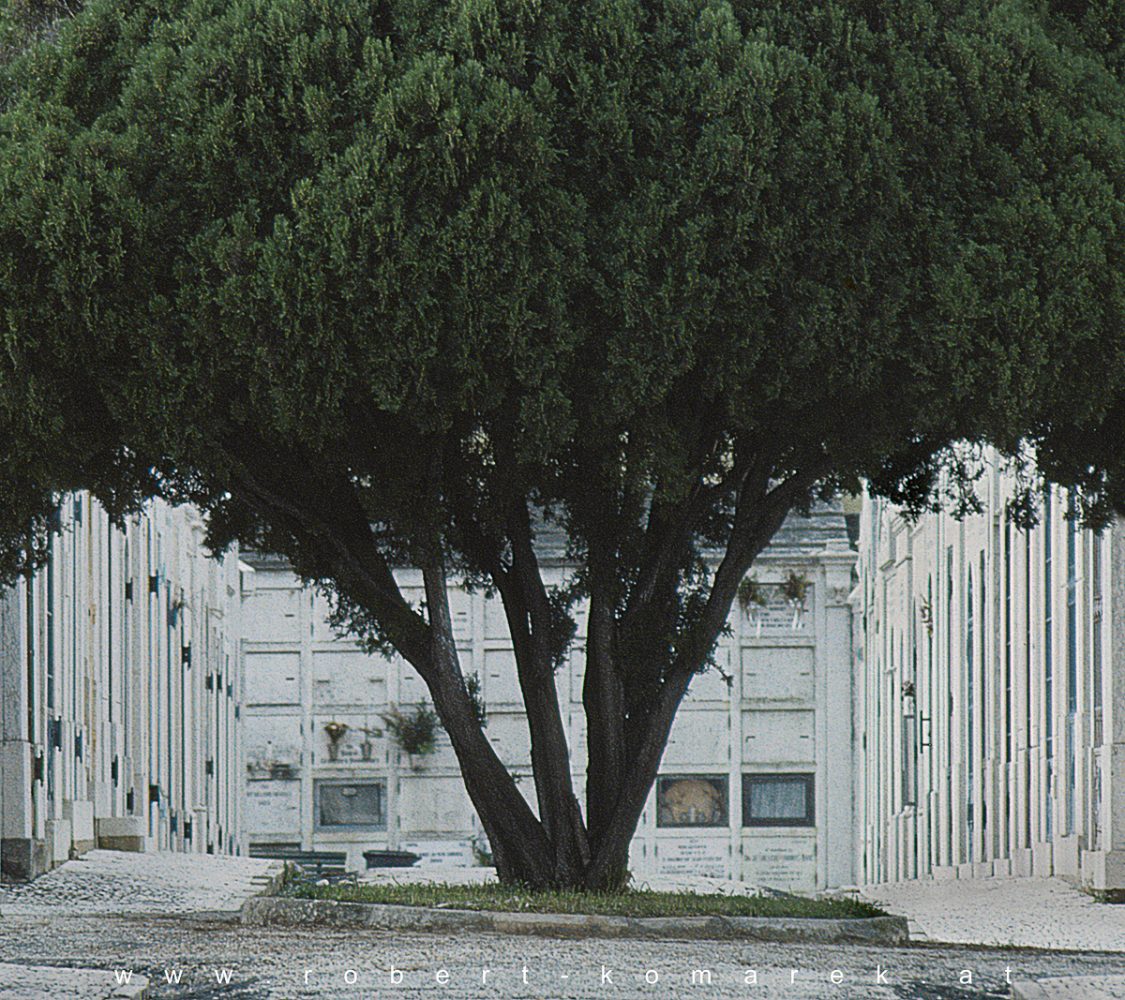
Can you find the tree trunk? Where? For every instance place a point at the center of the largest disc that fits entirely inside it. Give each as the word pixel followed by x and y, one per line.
pixel 527 609
pixel 603 702
pixel 521 849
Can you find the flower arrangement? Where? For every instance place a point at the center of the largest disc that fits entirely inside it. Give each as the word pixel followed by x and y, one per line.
pixel 796 591
pixel 415 732
pixel 795 588
pixel 752 598
pixel 751 593
pixel 335 731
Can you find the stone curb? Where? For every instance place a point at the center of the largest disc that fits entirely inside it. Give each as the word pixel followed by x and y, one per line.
pixel 288 912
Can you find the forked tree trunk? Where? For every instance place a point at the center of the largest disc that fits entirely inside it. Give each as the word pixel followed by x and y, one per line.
pixel 630 706
pixel 554 850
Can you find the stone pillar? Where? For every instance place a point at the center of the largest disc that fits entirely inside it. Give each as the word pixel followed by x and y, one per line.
pixel 835 668
pixel 1109 874
pixel 22 854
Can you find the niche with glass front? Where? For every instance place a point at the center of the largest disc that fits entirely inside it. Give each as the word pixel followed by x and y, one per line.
pixel 692 800
pixel 778 800
pixel 350 805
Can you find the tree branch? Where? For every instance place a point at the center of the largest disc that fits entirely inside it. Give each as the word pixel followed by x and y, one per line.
pixel 754 525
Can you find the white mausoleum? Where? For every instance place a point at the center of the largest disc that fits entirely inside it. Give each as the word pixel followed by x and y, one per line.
pixel 990 668
pixel 119 682
pixel 756 783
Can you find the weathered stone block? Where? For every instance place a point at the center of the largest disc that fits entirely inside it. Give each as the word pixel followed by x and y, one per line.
pixel 23 858
pixel 120 833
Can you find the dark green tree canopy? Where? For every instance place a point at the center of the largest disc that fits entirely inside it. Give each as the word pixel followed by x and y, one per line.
pixel 370 282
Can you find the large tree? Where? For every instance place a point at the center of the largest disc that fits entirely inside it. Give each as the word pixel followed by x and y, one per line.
pixel 387 283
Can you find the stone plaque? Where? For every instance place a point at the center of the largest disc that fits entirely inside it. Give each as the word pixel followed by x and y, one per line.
pixel 446 853
pixel 709 856
pixel 272 807
pixel 781 862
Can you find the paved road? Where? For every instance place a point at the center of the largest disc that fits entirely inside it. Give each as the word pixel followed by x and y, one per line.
pixel 270 964
pixel 168 918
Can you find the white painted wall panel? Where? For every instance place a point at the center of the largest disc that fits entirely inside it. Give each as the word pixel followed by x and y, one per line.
pixel 271 738
pixel 710 685
pixel 501 680
pixel 271 615
pixel 272 678
pixel 495 621
pixel 432 804
pixel 778 737
pixel 778 673
pixel 508 733
pixel 699 737
pixel 346 677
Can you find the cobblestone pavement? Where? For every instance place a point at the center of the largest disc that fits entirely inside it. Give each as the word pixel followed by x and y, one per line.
pixel 23 982
pixel 1084 988
pixel 1016 912
pixel 270 964
pixel 167 918
pixel 123 883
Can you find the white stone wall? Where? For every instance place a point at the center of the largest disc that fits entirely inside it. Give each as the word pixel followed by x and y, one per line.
pixel 987 683
pixel 119 666
pixel 783 711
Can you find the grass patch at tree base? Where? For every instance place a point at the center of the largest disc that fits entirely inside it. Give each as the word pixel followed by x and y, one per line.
pixel 627 903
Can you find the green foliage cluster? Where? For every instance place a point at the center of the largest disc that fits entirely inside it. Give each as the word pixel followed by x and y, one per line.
pixel 558 240
pixel 476 696
pixel 394 283
pixel 795 588
pixel 35 14
pixel 414 731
